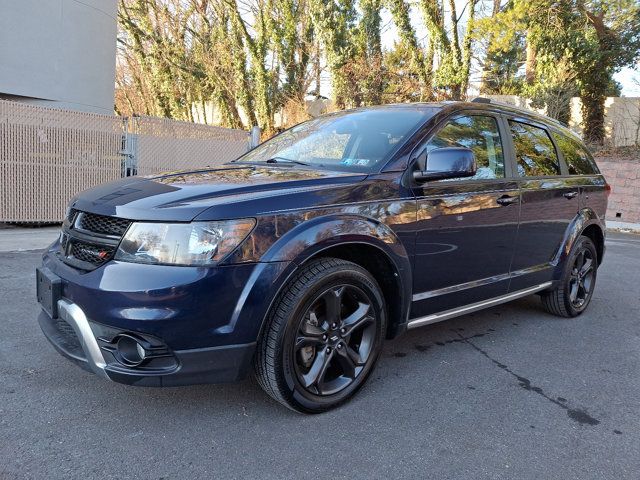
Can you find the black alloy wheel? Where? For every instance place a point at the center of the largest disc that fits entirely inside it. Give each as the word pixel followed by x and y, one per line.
pixel 582 278
pixel 323 336
pixel 335 340
pixel 575 288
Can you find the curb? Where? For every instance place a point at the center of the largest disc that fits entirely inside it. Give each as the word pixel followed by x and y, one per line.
pixel 623 227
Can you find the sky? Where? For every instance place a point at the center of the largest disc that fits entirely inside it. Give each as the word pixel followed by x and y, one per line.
pixel 630 80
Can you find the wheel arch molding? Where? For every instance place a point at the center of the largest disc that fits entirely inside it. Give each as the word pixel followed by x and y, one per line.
pixel 585 222
pixel 365 242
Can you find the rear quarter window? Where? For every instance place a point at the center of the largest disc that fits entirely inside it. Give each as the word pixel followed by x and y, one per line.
pixel 578 159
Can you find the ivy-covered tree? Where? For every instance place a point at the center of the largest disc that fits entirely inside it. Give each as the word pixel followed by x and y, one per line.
pixel 611 41
pixel 257 61
pixel 334 21
pixel 504 49
pixel 416 61
pixel 367 71
pixel 572 47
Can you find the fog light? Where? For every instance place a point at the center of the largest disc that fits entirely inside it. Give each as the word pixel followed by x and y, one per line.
pixel 130 352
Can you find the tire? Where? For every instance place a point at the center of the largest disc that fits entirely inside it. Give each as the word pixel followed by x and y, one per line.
pixel 323 336
pixel 575 289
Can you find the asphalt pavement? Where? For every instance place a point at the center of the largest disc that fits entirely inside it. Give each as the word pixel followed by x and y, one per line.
pixel 507 393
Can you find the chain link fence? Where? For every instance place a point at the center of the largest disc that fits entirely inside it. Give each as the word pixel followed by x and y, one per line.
pixel 163 144
pixel 48 155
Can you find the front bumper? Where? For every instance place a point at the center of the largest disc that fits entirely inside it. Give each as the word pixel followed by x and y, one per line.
pixel 79 340
pixel 203 321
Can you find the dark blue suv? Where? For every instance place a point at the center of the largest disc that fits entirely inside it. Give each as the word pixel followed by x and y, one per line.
pixel 298 259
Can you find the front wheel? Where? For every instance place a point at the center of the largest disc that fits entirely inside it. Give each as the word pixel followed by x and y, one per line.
pixel 323 336
pixel 574 292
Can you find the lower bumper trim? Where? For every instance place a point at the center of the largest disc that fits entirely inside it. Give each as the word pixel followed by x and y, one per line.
pixel 74 316
pixel 224 364
pixel 85 352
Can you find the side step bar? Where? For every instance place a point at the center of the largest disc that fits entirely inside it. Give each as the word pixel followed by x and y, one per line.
pixel 474 307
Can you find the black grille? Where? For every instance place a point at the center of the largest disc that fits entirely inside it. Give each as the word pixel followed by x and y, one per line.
pixel 89 240
pixel 68 338
pixel 65 329
pixel 102 224
pixel 93 254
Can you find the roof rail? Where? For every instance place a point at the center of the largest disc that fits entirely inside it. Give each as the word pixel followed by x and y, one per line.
pixel 530 112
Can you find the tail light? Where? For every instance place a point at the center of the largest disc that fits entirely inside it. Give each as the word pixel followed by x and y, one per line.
pixel 607 189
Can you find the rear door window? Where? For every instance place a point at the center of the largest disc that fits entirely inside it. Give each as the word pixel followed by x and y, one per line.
pixel 577 158
pixel 535 153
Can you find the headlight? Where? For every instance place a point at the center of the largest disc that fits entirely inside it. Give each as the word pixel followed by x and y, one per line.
pixel 197 243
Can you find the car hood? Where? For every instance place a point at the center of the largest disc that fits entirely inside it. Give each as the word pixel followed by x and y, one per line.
pixel 181 196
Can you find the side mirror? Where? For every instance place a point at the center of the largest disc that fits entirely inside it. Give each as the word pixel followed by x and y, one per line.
pixel 449 162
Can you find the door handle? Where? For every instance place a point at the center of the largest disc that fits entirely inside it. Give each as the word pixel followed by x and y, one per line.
pixel 507 200
pixel 570 195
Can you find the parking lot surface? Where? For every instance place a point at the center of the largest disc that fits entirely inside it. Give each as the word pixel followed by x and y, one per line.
pixel 509 392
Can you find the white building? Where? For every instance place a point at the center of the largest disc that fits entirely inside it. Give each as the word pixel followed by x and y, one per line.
pixel 59 53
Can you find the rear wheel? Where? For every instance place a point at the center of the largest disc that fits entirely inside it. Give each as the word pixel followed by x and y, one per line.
pixel 323 336
pixel 575 290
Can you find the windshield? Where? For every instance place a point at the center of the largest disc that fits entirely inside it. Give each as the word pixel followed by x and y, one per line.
pixel 355 141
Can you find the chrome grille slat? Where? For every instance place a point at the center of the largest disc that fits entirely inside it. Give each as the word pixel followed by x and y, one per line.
pixel 71 215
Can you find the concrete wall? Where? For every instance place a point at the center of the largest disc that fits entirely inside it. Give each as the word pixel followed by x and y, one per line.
pixel 621 121
pixel 59 53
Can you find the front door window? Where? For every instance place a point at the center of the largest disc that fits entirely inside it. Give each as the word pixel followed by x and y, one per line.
pixel 481 135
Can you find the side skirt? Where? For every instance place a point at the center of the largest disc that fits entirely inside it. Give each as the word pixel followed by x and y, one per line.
pixel 473 307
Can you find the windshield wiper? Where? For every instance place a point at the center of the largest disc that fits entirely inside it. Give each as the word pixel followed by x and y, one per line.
pixel 286 160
